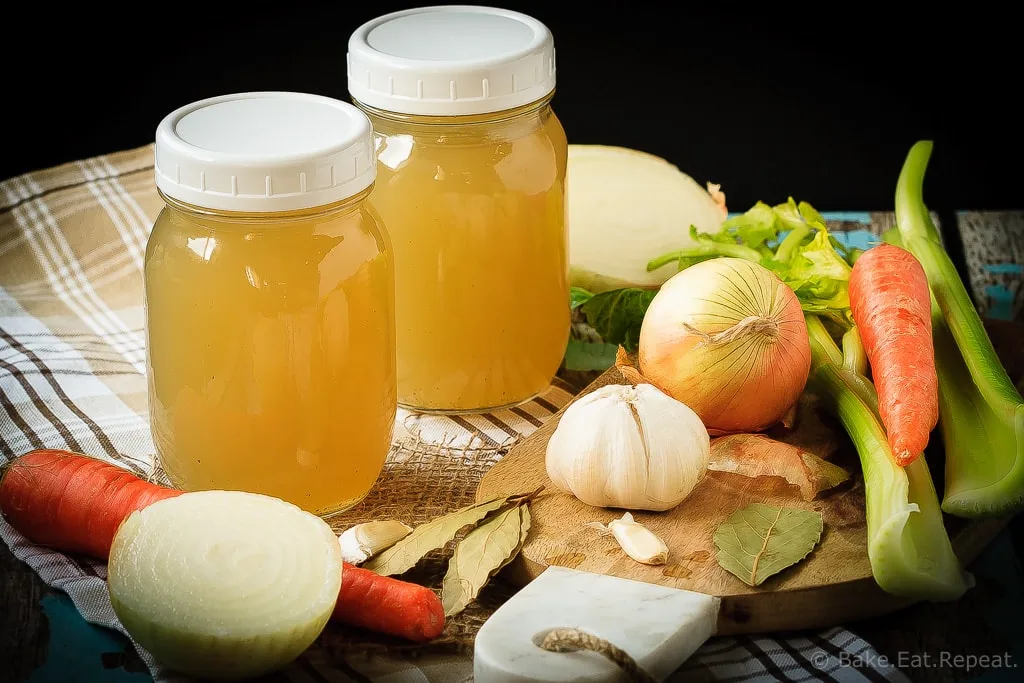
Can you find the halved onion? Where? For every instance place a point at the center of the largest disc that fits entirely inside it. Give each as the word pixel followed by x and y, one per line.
pixel 624 205
pixel 223 584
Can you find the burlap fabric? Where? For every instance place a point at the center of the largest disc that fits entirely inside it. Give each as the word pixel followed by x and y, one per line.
pixel 424 478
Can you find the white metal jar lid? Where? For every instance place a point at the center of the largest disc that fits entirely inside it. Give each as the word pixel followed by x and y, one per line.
pixel 451 60
pixel 264 152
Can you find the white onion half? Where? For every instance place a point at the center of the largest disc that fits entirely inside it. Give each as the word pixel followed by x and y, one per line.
pixel 223 584
pixel 626 207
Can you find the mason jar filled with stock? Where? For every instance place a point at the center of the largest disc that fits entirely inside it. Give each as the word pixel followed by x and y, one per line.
pixel 471 165
pixel 270 301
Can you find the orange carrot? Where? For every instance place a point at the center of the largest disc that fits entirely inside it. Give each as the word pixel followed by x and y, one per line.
pixel 74 503
pixel 387 605
pixel 891 304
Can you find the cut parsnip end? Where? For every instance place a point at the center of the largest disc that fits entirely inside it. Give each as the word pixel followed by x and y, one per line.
pixel 224 585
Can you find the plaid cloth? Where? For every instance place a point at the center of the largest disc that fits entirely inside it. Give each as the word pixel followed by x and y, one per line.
pixel 72 241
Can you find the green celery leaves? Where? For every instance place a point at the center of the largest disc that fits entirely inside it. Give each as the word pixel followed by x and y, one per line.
pixel 807 258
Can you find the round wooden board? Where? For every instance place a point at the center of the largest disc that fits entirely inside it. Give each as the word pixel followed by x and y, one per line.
pixel 832 586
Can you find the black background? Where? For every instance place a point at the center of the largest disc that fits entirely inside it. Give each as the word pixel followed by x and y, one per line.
pixel 821 103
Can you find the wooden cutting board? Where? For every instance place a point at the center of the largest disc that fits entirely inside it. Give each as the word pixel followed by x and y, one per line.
pixel 832 586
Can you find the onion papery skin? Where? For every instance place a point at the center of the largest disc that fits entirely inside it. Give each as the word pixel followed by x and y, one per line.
pixel 746 383
pixel 224 585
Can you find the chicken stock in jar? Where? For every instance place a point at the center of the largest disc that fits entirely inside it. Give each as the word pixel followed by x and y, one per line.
pixel 471 184
pixel 269 301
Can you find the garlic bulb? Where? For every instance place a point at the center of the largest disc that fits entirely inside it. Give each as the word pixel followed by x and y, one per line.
pixel 630 447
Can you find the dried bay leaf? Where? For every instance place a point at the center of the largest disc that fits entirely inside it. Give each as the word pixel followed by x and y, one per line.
pixel 403 556
pixel 481 554
pixel 760 540
pixel 525 520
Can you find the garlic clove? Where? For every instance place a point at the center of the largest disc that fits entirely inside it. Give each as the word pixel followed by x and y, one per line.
pixel 362 541
pixel 678 446
pixel 636 540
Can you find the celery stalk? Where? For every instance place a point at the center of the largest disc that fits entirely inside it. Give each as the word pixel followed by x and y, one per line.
pixel 855 358
pixel 981 413
pixel 910 552
pixel 792 242
pixel 705 251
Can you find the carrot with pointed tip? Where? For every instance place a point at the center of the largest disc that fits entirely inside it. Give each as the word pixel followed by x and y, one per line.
pixel 891 304
pixel 74 503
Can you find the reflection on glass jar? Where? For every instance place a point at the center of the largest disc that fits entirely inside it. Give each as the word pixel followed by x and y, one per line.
pixel 271 345
pixel 473 194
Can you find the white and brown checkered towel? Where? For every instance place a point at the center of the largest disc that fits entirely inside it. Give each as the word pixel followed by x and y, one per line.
pixel 72 240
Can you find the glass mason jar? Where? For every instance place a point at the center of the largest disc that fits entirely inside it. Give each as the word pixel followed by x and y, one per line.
pixel 471 184
pixel 269 301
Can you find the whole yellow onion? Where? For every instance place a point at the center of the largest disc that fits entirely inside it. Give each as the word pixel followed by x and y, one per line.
pixel 728 338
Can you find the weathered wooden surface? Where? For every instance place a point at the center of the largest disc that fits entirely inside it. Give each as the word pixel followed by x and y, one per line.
pixel 24 630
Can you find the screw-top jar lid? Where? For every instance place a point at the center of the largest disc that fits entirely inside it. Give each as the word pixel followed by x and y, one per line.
pixel 451 60
pixel 264 152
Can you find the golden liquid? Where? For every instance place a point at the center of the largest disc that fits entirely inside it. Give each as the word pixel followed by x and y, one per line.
pixel 475 208
pixel 271 352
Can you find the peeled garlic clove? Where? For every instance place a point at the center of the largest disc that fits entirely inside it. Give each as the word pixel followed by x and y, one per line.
pixel 363 541
pixel 637 541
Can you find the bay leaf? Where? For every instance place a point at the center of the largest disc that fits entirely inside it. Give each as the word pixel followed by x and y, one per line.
pixel 525 520
pixel 480 555
pixel 403 556
pixel 760 540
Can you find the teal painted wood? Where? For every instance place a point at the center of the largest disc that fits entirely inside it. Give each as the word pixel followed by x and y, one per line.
pixel 82 653
pixel 994 250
